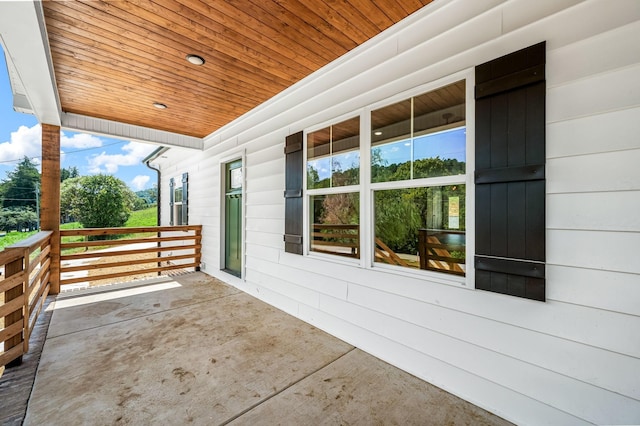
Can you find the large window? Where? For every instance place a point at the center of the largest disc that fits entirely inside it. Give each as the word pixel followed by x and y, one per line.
pixel 418 167
pixel 333 161
pixel 414 187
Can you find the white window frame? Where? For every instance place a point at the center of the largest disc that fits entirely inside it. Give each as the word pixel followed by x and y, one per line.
pixel 308 193
pixel 366 188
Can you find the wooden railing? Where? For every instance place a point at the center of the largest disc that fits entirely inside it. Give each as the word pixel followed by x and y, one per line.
pixel 23 291
pixel 437 254
pixel 434 251
pixel 343 240
pixel 172 247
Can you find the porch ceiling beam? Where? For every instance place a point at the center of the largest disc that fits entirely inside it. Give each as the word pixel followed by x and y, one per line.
pixel 24 38
pixel 109 128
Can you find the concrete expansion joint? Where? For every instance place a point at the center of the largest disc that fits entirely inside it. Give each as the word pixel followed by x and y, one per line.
pixel 273 395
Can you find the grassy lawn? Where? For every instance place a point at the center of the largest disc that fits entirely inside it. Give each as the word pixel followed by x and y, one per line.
pixel 146 217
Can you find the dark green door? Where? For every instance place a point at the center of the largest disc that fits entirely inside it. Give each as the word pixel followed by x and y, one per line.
pixel 233 218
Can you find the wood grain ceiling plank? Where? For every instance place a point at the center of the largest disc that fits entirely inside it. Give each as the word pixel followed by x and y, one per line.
pixel 233 17
pixel 185 22
pixel 151 57
pixel 313 17
pixel 155 92
pixel 135 25
pixel 237 35
pixel 293 28
pixel 373 13
pixel 336 19
pixel 408 6
pixel 197 122
pixel 139 38
pixel 353 15
pixel 391 10
pixel 150 73
pixel 162 74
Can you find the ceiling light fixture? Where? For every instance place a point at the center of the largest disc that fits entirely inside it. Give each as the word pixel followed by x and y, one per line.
pixel 159 105
pixel 195 59
pixel 378 133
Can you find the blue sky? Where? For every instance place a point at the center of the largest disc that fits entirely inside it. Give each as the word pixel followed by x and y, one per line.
pixel 91 154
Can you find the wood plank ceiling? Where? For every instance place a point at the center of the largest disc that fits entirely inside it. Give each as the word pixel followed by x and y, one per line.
pixel 113 59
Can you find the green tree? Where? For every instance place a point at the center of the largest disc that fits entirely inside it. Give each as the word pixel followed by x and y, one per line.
pixel 19 189
pixel 98 201
pixel 150 195
pixel 69 173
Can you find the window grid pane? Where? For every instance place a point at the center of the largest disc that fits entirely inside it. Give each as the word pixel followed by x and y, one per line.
pixel 335 225
pixel 421 228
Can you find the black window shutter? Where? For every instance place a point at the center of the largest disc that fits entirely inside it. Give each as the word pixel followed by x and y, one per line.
pixel 172 184
pixel 293 215
pixel 185 199
pixel 510 174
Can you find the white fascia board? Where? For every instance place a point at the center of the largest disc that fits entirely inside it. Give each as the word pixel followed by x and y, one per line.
pixel 26 45
pixel 115 129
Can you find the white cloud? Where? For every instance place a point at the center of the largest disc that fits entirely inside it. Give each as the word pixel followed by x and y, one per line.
pixel 26 141
pixel 135 152
pixel 138 183
pixel 80 141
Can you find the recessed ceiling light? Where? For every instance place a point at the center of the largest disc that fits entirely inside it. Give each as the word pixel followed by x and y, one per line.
pixel 159 105
pixel 195 59
pixel 378 133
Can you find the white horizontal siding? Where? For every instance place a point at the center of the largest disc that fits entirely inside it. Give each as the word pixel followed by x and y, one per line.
pixel 609 171
pixel 610 291
pixel 602 211
pixel 570 360
pixel 612 131
pixel 611 91
pixel 608 251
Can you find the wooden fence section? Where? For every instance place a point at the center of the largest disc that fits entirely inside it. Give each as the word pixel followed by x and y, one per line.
pixel 134 259
pixel 437 254
pixel 23 290
pixel 343 240
pixel 435 251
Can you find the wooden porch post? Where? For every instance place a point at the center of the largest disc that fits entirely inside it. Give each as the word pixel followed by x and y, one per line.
pixel 50 205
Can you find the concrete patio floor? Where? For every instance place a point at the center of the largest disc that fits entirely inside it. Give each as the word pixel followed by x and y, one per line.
pixel 191 349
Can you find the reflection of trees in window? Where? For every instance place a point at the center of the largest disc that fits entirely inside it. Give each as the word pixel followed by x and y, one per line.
pixel 335 224
pixel 439 154
pixel 420 138
pixel 400 214
pixel 333 156
pixel 382 171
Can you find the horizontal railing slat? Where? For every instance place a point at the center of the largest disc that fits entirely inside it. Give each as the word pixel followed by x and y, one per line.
pixel 126 252
pixel 126 241
pixel 11 282
pixel 125 263
pixel 123 231
pixel 10 331
pixel 10 255
pixel 125 274
pixel 33 242
pixel 11 306
pixel 11 354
